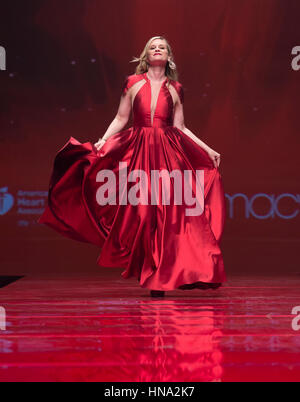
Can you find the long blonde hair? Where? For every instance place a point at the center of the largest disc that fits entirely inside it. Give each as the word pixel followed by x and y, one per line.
pixel 142 67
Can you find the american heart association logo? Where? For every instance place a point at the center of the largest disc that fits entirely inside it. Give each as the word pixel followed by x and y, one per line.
pixel 6 201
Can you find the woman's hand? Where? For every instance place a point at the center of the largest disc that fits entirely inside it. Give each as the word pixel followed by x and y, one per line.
pixel 99 144
pixel 215 157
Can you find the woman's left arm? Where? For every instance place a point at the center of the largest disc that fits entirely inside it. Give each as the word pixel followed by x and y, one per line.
pixel 178 122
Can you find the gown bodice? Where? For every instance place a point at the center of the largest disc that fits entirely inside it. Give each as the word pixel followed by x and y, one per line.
pixel 141 107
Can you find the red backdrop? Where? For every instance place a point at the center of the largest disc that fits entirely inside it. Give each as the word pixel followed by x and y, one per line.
pixel 65 65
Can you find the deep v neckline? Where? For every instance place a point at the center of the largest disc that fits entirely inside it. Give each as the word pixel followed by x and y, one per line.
pixel 155 106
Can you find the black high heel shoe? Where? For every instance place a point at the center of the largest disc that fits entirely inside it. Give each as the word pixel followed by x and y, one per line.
pixel 157 293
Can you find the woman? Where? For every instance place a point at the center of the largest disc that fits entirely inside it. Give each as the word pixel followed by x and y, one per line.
pixel 158 243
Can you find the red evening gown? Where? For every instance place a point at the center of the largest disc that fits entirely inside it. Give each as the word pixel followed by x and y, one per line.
pixel 158 244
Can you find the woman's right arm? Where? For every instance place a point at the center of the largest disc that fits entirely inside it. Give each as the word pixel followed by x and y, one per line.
pixel 120 120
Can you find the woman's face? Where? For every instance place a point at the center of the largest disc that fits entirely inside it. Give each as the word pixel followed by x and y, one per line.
pixel 157 52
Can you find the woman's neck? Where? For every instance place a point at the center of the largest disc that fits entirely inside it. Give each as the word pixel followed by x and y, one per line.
pixel 156 73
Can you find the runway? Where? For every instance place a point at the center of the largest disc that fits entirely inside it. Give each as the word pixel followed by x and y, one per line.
pixel 104 328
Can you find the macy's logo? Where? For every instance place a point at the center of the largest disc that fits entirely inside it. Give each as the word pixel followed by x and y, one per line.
pixel 6 201
pixel 273 202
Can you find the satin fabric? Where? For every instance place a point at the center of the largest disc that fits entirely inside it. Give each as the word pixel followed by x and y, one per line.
pixel 158 244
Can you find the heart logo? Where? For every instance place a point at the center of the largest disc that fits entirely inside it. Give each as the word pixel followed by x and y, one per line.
pixel 6 201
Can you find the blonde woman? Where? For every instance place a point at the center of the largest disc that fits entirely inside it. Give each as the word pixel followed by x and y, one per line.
pixel 94 195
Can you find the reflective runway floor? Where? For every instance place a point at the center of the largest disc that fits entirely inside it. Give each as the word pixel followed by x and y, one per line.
pixel 105 328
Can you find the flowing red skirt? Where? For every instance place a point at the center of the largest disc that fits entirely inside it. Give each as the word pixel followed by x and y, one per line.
pixel 158 244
